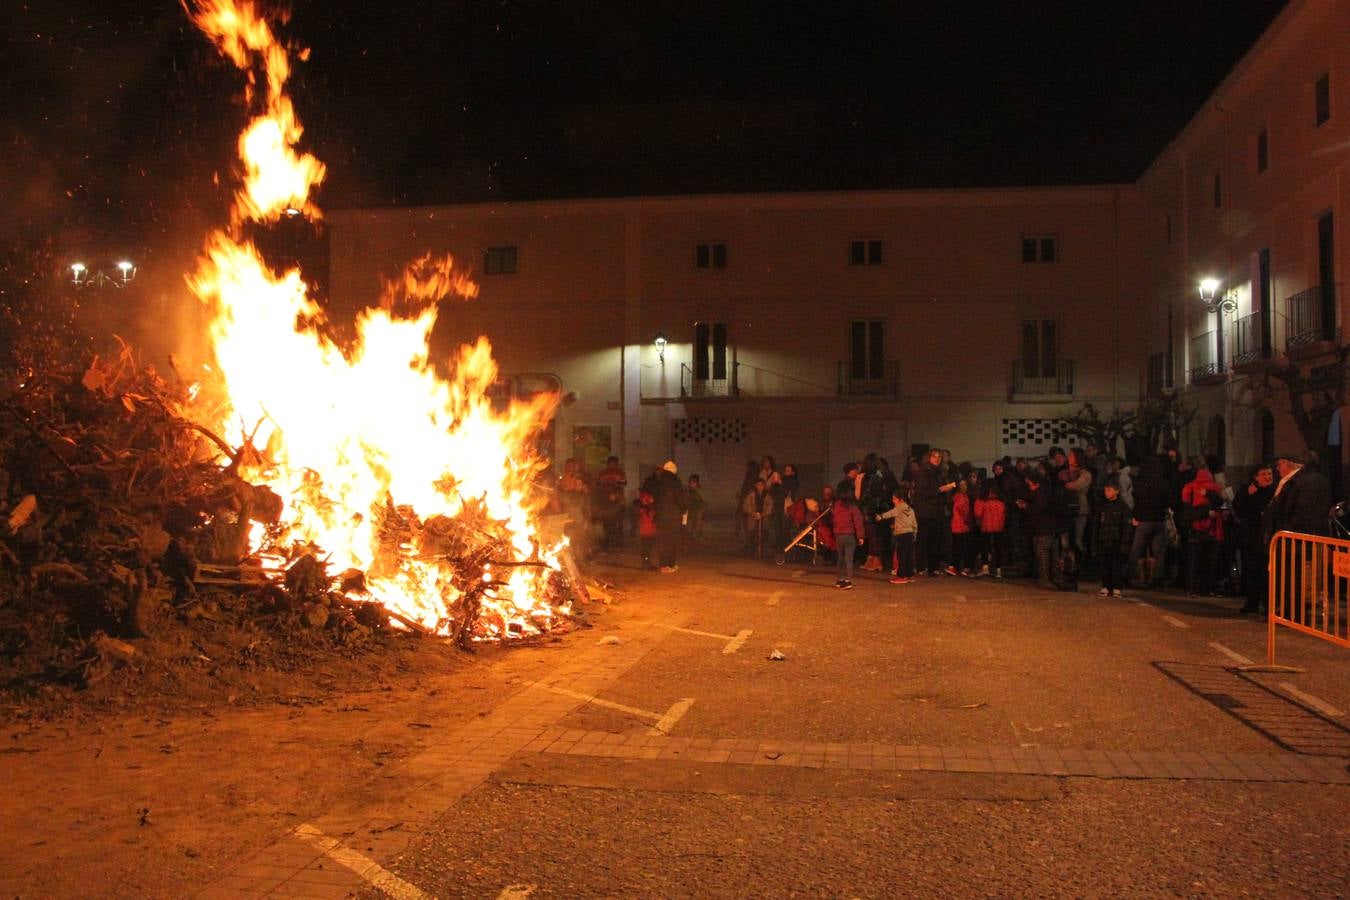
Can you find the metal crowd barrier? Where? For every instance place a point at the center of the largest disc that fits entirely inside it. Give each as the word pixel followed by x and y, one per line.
pixel 1309 588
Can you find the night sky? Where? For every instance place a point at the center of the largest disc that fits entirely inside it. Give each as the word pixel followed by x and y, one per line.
pixel 118 113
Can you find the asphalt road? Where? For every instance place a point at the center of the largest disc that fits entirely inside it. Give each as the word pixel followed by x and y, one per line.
pixel 994 667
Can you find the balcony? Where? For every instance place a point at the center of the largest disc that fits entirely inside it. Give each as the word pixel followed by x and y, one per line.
pixel 870 380
pixel 1312 322
pixel 1250 351
pixel 690 386
pixel 1032 384
pixel 1159 379
pixel 1205 365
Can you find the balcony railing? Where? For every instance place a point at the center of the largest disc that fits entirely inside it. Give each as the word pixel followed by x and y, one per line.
pixel 709 387
pixel 1033 381
pixel 867 381
pixel 1247 343
pixel 1312 317
pixel 1204 358
pixel 1159 374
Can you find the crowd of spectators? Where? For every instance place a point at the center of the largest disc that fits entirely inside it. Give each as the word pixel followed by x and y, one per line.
pixel 1171 520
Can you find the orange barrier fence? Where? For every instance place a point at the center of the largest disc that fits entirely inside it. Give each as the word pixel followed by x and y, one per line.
pixel 1309 588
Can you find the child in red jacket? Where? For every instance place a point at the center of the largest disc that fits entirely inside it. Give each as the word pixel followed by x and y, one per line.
pixel 849 532
pixel 963 527
pixel 992 514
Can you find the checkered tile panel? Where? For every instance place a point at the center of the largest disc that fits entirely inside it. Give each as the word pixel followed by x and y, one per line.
pixel 1029 437
pixel 708 431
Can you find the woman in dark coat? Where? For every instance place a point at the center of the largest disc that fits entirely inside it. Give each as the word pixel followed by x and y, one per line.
pixel 1249 505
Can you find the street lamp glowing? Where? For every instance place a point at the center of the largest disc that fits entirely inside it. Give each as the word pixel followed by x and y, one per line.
pixel 661 343
pixel 122 274
pixel 1209 289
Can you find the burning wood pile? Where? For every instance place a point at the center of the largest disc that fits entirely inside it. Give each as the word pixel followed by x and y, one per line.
pixel 283 479
pixel 120 518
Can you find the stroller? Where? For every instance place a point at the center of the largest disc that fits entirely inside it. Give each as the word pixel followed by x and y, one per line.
pixel 809 539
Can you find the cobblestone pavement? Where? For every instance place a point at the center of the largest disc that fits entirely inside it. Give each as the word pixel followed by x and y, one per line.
pixel 961 696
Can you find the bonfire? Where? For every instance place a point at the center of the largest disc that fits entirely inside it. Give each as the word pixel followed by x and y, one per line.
pixel 361 484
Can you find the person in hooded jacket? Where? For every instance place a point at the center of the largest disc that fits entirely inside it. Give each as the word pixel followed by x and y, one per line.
pixel 1201 498
pixel 849 531
pixel 668 502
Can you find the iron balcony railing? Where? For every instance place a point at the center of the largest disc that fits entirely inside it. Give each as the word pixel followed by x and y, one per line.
pixel 1032 380
pixel 1312 316
pixel 869 380
pixel 709 387
pixel 1247 343
pixel 1204 357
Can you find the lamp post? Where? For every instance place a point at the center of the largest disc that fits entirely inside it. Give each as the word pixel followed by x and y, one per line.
pixel 661 343
pixel 1212 301
pixel 82 277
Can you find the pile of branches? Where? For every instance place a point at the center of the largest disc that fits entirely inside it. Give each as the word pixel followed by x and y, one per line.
pixel 121 519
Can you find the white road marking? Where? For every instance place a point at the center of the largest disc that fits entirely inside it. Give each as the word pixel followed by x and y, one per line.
pixel 673 715
pixel 590 698
pixel 774 598
pixel 711 634
pixel 1316 703
pixel 367 868
pixel 1174 621
pixel 738 641
pixel 1231 654
pixel 516 891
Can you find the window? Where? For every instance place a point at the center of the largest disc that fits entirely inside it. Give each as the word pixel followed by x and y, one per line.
pixel 1322 99
pixel 1218 191
pixel 710 351
pixel 867 349
pixel 1262 152
pixel 1040 348
pixel 1038 248
pixel 864 253
pixel 500 261
pixel 710 256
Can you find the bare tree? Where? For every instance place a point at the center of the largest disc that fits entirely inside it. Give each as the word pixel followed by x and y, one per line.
pixel 1311 398
pixel 1142 431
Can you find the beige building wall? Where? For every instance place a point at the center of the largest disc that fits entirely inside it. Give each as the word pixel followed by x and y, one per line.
pixel 1306 176
pixel 597 281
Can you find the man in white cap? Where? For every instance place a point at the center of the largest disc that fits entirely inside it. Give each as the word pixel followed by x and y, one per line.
pixel 669 502
pixel 1301 503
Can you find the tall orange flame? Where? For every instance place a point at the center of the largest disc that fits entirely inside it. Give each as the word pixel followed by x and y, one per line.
pixel 276 178
pixel 348 435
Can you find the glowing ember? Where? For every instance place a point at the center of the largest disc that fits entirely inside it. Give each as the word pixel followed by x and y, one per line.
pixel 382 465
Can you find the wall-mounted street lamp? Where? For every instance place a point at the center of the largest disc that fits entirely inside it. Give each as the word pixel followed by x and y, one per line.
pixel 1212 301
pixel 661 343
pixel 121 276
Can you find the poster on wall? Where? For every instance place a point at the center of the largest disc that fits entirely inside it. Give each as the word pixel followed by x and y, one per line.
pixel 591 444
